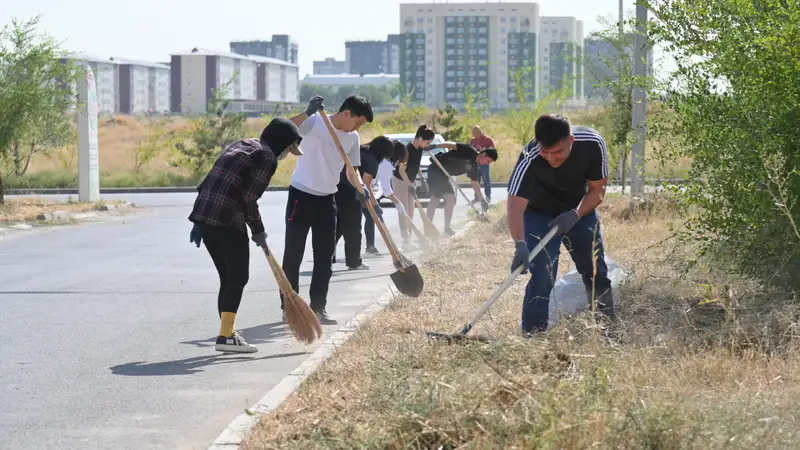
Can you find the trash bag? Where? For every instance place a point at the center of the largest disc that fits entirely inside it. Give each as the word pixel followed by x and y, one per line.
pixel 568 296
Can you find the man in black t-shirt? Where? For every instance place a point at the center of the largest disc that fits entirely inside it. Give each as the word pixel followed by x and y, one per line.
pixel 461 159
pixel 350 205
pixel 422 139
pixel 559 180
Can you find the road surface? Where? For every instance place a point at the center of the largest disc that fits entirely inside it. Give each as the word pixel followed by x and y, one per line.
pixel 108 330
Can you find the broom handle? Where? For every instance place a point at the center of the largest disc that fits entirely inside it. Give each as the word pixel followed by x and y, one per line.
pixel 424 214
pixel 507 282
pixel 278 273
pixel 360 188
pixel 455 185
pixel 419 234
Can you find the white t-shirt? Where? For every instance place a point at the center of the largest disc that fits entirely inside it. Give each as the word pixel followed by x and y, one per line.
pixel 385 170
pixel 318 169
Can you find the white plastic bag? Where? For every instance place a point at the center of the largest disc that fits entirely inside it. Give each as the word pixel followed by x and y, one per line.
pixel 568 296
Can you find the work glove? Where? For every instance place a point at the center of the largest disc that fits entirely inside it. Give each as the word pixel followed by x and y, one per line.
pixel 314 105
pixel 196 235
pixel 378 211
pixel 484 205
pixel 260 239
pixel 521 256
pixel 363 195
pixel 565 221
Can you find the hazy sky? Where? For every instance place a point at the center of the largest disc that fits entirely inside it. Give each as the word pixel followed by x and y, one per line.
pixel 152 29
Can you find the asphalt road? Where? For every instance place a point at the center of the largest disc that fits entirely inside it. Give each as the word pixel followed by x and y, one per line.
pixel 109 328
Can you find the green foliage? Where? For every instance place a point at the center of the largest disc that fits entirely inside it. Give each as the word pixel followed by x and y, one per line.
pixel 159 137
pixel 35 94
pixel 520 120
pixel 407 115
pixel 736 116
pixel 210 133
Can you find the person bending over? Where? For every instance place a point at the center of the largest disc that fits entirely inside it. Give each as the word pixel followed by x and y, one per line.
pixel 403 187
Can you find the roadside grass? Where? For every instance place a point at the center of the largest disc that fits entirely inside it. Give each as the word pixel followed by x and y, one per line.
pixel 29 209
pixel 702 360
pixel 119 137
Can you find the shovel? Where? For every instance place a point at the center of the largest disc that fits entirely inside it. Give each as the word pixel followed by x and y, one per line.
pixel 461 334
pixel 481 215
pixel 430 228
pixel 407 278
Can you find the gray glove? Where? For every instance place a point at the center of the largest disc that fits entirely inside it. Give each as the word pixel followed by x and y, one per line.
pixel 378 211
pixel 565 221
pixel 521 256
pixel 196 235
pixel 484 205
pixel 260 239
pixel 314 105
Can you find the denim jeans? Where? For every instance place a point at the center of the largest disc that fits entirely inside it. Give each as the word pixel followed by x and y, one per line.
pixel 483 171
pixel 581 242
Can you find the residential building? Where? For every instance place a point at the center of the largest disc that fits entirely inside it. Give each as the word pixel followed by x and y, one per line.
pixel 280 47
pixel 329 66
pixel 364 57
pixel 254 83
pixel 335 80
pixel 143 87
pixel 560 50
pixel 450 49
pixel 598 53
pixel 106 75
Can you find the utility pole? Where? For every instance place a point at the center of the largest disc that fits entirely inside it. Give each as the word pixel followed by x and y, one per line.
pixel 621 71
pixel 639 111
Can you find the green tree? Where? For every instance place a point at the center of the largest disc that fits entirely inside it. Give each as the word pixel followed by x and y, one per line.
pixel 520 119
pixel 736 116
pixel 210 133
pixel 35 93
pixel 159 137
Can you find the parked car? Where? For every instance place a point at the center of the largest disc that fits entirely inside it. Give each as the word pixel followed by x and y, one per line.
pixel 421 183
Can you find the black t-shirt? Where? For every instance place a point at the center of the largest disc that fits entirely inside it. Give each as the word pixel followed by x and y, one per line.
pixel 369 164
pixel 459 161
pixel 412 168
pixel 556 190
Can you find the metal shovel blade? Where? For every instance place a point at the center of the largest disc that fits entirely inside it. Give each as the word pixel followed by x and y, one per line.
pixel 408 280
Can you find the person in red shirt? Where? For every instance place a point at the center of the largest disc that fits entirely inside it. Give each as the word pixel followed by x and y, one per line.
pixel 479 142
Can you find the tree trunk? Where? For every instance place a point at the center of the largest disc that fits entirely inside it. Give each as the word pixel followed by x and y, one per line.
pixel 2 190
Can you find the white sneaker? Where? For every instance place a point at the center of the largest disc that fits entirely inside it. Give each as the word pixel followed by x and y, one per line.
pixel 362 266
pixel 283 316
pixel 235 344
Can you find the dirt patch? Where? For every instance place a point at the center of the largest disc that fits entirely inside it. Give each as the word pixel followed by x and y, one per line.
pixel 32 209
pixel 695 363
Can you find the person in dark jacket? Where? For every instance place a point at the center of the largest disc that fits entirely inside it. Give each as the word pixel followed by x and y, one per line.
pixel 226 205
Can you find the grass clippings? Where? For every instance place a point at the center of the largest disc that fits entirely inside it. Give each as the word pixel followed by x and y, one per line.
pixel 698 362
pixel 29 209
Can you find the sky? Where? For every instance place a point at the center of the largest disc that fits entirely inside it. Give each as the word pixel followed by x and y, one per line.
pixel 152 29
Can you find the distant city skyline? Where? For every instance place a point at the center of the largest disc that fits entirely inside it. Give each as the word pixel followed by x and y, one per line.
pixel 151 30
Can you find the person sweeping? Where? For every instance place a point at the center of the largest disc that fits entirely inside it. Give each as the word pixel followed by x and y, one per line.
pixel 558 181
pixel 226 205
pixel 460 159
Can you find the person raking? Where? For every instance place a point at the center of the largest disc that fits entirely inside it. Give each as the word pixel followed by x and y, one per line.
pixel 558 181
pixel 460 159
pixel 226 205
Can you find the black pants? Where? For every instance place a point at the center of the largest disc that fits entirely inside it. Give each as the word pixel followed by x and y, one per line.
pixel 348 224
pixel 369 228
pixel 229 248
pixel 304 213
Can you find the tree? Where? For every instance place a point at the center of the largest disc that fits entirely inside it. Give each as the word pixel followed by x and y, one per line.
pixel 735 100
pixel 210 133
pixel 159 137
pixel 35 93
pixel 520 119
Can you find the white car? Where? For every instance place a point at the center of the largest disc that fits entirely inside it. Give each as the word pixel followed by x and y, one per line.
pixel 421 183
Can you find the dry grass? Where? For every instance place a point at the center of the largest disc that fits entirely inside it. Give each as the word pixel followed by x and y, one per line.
pixel 699 361
pixel 28 209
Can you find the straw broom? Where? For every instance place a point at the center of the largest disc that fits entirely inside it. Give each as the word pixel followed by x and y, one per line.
pixel 303 323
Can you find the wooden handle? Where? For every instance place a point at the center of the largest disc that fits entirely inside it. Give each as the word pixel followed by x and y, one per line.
pixel 428 222
pixel 346 159
pixel 278 273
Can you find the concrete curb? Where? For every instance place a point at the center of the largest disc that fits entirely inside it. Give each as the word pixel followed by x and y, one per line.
pixel 66 215
pixel 236 431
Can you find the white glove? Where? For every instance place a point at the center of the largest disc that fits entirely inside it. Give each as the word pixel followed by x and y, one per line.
pixel 401 209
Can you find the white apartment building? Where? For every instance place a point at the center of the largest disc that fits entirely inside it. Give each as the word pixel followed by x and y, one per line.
pixel 447 48
pixel 106 75
pixel 560 50
pixel 348 79
pixel 143 87
pixel 260 83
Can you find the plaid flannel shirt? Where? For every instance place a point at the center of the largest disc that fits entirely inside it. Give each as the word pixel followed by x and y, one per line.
pixel 228 194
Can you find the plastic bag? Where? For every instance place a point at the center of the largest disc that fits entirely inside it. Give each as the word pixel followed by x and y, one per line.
pixel 568 296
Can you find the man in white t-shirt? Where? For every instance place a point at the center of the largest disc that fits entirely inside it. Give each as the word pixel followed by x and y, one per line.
pixel 311 205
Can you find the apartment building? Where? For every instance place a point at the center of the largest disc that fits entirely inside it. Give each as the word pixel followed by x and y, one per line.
pixel 143 87
pixel 377 56
pixel 598 56
pixel 280 47
pixel 451 48
pixel 106 75
pixel 329 66
pixel 257 83
pixel 560 62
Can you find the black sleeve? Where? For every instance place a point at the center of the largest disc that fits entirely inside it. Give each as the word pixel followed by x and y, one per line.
pixel 598 168
pixel 522 178
pixel 465 152
pixel 473 173
pixel 370 165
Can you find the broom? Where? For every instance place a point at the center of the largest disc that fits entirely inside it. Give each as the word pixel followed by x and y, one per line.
pixel 303 323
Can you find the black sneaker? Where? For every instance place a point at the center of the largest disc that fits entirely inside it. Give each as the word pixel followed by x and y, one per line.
pixel 372 251
pixel 235 344
pixel 323 318
pixel 449 231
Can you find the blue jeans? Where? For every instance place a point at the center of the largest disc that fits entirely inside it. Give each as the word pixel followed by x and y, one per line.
pixel 580 242
pixel 483 171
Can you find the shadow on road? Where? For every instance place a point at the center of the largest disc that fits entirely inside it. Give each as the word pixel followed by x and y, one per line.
pixel 259 334
pixel 186 366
